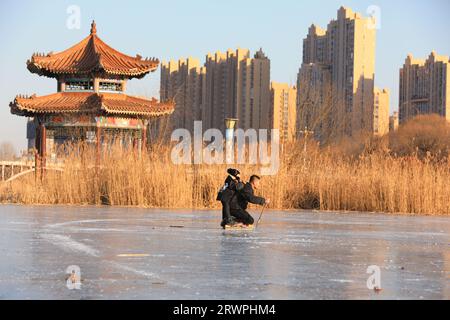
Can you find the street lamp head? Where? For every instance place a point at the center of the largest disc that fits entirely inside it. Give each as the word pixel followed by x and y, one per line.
pixel 230 123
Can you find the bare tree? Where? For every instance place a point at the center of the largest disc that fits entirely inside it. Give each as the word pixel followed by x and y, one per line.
pixel 321 110
pixel 7 151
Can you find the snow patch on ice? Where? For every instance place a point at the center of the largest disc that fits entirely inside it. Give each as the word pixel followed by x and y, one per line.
pixel 81 229
pixel 62 224
pixel 342 280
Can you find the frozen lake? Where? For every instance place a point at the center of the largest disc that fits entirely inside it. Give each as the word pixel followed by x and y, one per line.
pixel 128 253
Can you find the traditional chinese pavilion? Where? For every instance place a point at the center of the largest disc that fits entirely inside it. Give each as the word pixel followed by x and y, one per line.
pixel 90 103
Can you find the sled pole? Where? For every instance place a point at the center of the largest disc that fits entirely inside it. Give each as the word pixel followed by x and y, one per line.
pixel 260 216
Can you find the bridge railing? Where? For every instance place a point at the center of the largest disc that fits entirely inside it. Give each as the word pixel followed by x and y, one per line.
pixel 10 168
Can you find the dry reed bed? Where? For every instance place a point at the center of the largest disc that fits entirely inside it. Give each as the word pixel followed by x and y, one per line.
pixel 323 180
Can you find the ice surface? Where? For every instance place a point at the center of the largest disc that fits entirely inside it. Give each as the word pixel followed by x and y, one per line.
pixel 127 253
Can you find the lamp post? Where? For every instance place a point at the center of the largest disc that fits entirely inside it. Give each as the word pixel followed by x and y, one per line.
pixel 230 124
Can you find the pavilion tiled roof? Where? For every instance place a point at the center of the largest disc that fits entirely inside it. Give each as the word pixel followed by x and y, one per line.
pixel 90 102
pixel 88 56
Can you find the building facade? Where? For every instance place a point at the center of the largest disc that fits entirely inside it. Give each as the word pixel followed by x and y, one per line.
pixel 282 115
pixel 184 82
pixel 229 85
pixel 338 69
pixel 380 124
pixel 226 87
pixel 259 106
pixel 237 86
pixel 424 87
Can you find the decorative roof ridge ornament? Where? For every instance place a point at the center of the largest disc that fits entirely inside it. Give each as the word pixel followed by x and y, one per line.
pixel 93 28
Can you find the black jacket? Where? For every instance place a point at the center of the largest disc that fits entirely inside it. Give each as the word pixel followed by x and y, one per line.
pixel 244 196
pixel 230 188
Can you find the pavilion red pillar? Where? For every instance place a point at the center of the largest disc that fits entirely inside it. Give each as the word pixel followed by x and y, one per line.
pixel 43 147
pixel 144 137
pixel 99 141
pixel 135 144
pixel 37 145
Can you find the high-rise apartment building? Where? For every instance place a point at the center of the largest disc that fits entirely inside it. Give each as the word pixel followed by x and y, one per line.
pixel 229 85
pixel 225 87
pixel 424 87
pixel 380 125
pixel 338 70
pixel 282 115
pixel 259 107
pixel 184 82
pixel 237 86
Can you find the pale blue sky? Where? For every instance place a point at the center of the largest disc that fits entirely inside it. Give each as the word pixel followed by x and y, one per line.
pixel 179 28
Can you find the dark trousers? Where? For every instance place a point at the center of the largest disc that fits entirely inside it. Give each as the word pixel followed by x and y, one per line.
pixel 227 196
pixel 226 215
pixel 242 216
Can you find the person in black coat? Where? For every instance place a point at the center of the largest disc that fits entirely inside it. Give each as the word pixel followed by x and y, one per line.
pixel 239 203
pixel 227 193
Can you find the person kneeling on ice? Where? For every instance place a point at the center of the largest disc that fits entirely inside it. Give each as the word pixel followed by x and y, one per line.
pixel 244 196
pixel 227 193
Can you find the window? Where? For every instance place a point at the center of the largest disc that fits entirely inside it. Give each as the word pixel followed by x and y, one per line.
pixel 110 86
pixel 79 85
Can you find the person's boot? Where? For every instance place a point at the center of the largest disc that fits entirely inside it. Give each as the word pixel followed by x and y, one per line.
pixel 228 222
